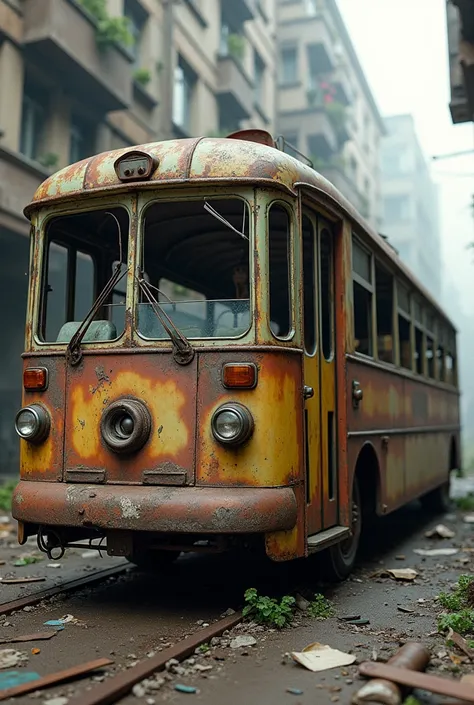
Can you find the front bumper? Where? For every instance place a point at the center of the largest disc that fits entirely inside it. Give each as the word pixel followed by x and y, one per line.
pixel 183 510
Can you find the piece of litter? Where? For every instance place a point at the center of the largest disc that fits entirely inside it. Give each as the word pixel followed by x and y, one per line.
pixel 10 679
pixel 349 617
pixel 400 558
pixel 435 551
pixel 302 603
pixel 17 581
pixel 358 621
pixel 461 643
pixel 402 573
pixel 9 658
pixel 28 560
pixel 57 701
pixel 27 637
pixel 35 652
pixel 54 565
pixel 243 640
pixel 89 554
pixel 294 691
pixel 321 657
pixel 185 688
pixel 405 609
pixel 469 519
pixel 68 618
pixel 440 532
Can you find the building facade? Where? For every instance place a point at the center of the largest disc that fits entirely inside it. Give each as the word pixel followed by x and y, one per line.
pixel 410 203
pixel 84 76
pixel 325 107
pixel 460 20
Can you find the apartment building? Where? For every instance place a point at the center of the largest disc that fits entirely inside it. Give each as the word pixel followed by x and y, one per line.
pixel 410 202
pixel 82 76
pixel 325 107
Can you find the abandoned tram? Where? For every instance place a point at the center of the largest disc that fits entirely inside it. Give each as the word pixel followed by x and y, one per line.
pixel 220 350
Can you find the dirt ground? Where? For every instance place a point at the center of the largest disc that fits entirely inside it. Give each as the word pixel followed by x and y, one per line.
pixel 131 617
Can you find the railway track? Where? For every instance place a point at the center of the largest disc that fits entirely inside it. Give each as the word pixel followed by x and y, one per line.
pixel 117 686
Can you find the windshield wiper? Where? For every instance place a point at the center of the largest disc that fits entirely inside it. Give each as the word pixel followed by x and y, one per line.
pixel 74 352
pixel 183 351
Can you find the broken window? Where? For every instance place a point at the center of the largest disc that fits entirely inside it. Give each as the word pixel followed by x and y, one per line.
pixel 196 258
pixel 80 251
pixel 362 292
pixel 384 303
pixel 404 326
pixel 279 254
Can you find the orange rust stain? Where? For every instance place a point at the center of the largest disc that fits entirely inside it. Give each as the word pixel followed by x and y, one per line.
pixel 164 400
pixel 273 454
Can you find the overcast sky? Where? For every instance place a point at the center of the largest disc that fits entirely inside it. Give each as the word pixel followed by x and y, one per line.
pixel 402 46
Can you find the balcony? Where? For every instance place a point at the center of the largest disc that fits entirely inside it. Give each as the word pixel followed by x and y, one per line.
pixel 313 34
pixel 318 136
pixel 61 36
pixel 236 12
pixel 11 22
pixel 235 91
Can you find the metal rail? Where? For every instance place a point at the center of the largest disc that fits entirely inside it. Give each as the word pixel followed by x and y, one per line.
pixel 67 586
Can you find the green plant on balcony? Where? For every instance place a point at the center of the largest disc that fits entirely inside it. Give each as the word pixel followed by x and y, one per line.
pixel 109 30
pixel 236 46
pixel 142 76
pixel 48 160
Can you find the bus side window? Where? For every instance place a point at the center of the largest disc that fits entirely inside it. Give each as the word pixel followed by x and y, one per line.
pixel 56 293
pixel 363 291
pixel 279 255
pixel 384 303
pixel 404 326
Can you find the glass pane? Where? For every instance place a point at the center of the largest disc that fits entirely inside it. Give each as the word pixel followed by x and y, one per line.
pixel 63 313
pixel 418 351
pixel 384 301
pixel 403 298
pixel 309 270
pixel 440 357
pixel 327 291
pixel 361 262
pixel 84 289
pixel 279 253
pixel 430 361
pixel 362 320
pixel 404 340
pixel 56 290
pixel 196 256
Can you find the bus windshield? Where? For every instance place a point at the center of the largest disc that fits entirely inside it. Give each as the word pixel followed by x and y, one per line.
pixel 195 258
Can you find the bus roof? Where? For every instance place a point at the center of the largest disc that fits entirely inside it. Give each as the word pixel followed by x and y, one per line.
pixel 249 156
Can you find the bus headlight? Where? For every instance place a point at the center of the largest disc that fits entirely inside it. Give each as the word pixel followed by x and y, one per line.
pixel 232 424
pixel 126 425
pixel 33 423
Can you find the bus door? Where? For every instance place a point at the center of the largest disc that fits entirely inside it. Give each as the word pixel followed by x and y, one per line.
pixel 319 372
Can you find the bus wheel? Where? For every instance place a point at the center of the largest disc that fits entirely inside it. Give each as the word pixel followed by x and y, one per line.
pixel 339 560
pixel 437 501
pixel 148 560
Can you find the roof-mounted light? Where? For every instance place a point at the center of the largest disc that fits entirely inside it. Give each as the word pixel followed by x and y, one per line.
pixel 135 166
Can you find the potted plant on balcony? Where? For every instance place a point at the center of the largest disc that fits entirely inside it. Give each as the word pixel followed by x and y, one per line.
pixel 142 76
pixel 236 46
pixel 109 30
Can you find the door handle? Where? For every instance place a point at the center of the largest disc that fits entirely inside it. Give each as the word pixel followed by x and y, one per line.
pixel 357 393
pixel 308 392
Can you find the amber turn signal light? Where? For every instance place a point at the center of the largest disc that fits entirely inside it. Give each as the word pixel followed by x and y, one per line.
pixel 35 379
pixel 239 375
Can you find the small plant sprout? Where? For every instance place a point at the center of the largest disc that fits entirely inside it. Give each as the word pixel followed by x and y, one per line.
pixel 321 607
pixel 459 606
pixel 268 610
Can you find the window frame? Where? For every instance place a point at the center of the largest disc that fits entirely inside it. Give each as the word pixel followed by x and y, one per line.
pixel 292 244
pixel 368 286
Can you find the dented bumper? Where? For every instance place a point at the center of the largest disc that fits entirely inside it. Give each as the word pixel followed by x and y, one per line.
pixel 201 510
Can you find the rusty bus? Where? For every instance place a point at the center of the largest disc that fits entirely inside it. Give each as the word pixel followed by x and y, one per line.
pixel 219 350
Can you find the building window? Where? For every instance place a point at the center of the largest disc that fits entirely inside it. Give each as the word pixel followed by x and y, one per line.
pixel 82 140
pixel 136 23
pixel 184 84
pixel 288 65
pixel 397 208
pixel 33 120
pixel 259 78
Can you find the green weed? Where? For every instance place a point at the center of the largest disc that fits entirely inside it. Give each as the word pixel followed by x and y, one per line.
pixel 267 610
pixel 461 622
pixel 6 493
pixel 321 607
pixel 411 700
pixel 460 615
pixel 466 503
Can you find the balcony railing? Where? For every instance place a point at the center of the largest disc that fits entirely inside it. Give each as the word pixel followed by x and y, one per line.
pixel 235 91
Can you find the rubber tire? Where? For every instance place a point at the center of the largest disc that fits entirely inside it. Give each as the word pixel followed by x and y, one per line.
pixel 338 563
pixel 437 501
pixel 151 561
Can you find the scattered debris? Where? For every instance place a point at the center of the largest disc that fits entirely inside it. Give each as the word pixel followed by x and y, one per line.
pixel 321 657
pixel 57 701
pixel 349 617
pixel 9 658
pixel 67 619
pixel 17 581
pixel 10 679
pixel 302 603
pixel 27 560
pixel 436 551
pixel 469 519
pixel 294 691
pixel 400 558
pixel 400 608
pixel 53 565
pixel 35 651
pixel 398 573
pixel 54 678
pixel 440 532
pixel 360 621
pixel 242 640
pixel 461 643
pixel 185 688
pixel 423 681
pixel 90 554
pixel 28 637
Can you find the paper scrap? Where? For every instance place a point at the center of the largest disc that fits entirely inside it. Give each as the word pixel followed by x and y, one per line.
pixel 436 551
pixel 321 657
pixel 440 532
